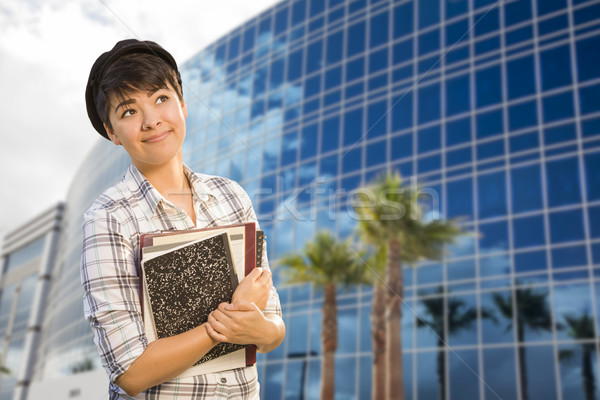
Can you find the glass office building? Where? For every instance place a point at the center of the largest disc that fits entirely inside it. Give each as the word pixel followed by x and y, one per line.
pixel 492 105
pixel 28 255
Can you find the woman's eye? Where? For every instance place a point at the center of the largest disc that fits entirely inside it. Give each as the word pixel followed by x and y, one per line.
pixel 162 99
pixel 127 113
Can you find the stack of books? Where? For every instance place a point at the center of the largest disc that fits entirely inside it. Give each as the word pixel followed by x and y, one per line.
pixel 185 275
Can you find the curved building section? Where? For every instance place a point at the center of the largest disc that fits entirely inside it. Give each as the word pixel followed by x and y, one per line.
pixel 67 344
pixel 494 106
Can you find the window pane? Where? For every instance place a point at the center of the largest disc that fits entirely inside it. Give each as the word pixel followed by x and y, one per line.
pixel 529 231
pixel 522 115
pixel 566 226
pixel 464 269
pixel 559 134
pixel 464 384
pixel 376 123
pixel 429 139
pixel 500 305
pixel 429 42
pixel 352 160
pixel 379 29
pixel 298 12
pixel 594 221
pixel 461 313
pixel 430 14
pixel 492 195
pixel 460 199
pixel 533 300
pixel 308 144
pixel 521 80
pixel 334 47
pixel 455 8
pixel 403 20
pixel 402 146
pixel 352 126
pixel 588 58
pixel 298 334
pixel 573 256
pixel 314 56
pixel 458 131
pixel 402 112
pixel 489 89
pixel 376 153
pixel 526 188
pixel 558 107
pixel 487 22
pixel 500 373
pixel 294 65
pixel 458 95
pixel 356 39
pixel 531 261
pixel 545 7
pixel 556 68
pixel 563 182
pixel 517 11
pixel 540 372
pixel 490 124
pixel 592 175
pixel 355 69
pixel 289 148
pixel 330 133
pixel 493 237
pixel 427 382
pixel 429 103
pixel 523 142
pixel 590 99
pixel 494 266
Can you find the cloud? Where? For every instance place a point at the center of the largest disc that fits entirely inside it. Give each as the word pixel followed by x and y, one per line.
pixel 46 50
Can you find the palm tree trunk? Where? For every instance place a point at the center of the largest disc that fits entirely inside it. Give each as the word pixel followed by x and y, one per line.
pixel 329 342
pixel 522 362
pixel 378 337
pixel 395 292
pixel 441 366
pixel 587 372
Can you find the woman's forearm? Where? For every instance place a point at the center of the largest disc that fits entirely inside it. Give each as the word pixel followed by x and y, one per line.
pixel 275 336
pixel 164 359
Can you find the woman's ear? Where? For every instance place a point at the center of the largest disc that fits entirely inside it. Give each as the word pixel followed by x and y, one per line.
pixel 184 109
pixel 111 135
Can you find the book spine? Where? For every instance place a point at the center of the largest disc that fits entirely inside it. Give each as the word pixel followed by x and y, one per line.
pixel 260 238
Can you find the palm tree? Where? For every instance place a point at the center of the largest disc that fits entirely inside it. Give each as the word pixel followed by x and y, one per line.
pixel 326 263
pixel 459 318
pixel 376 263
pixel 390 213
pixel 533 313
pixel 582 328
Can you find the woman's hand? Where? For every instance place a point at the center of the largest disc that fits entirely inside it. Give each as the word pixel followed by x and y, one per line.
pixel 254 288
pixel 243 322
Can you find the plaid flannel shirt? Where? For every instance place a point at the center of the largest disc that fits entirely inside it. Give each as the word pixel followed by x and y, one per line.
pixel 111 230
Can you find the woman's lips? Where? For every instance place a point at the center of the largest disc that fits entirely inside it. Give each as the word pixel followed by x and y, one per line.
pixel 156 138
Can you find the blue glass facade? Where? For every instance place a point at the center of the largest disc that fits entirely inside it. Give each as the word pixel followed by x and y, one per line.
pixel 493 106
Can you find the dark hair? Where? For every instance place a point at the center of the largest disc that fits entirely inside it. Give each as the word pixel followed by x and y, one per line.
pixel 133 72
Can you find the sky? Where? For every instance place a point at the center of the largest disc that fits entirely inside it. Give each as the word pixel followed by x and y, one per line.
pixel 47 48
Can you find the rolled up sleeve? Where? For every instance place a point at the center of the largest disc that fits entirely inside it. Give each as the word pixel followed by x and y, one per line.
pixel 110 283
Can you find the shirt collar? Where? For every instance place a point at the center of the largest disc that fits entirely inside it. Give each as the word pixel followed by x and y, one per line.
pixel 200 189
pixel 143 190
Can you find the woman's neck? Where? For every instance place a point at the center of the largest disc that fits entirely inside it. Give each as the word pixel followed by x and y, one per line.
pixel 169 179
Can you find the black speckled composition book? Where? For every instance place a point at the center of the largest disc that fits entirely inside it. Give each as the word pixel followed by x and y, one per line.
pixel 187 283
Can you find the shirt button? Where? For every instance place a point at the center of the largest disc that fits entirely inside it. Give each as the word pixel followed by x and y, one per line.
pixel 223 380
